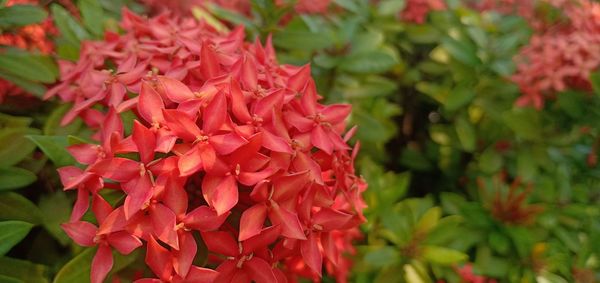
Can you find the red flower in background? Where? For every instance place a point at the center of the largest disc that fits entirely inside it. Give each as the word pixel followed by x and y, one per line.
pixel 416 11
pixel 561 56
pixel 218 118
pixel 31 37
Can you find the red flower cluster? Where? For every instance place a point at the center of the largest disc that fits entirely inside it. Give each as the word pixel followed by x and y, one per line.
pixel 32 37
pixel 466 274
pixel 227 146
pixel 416 11
pixel 562 56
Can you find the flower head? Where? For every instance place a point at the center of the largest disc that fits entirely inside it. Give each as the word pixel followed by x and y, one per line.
pixel 225 142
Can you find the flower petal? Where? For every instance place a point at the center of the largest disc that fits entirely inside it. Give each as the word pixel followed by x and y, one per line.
pixel 101 264
pixel 252 221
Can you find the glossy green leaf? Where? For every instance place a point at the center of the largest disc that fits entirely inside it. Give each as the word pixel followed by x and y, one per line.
pixel 21 15
pixel 14 178
pixel 11 233
pixel 14 206
pixel 55 148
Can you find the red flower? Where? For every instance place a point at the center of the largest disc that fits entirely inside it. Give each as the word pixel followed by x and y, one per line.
pixel 225 142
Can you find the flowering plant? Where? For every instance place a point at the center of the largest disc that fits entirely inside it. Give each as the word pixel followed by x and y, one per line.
pixel 225 144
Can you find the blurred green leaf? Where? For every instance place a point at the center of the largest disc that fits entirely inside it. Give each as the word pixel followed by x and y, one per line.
pixel 462 51
pixel 14 178
pixel 21 15
pixel 69 28
pixel 459 97
pixel 23 270
pixel 8 121
pixel 443 256
pixel 56 209
pixel 490 161
pixel 55 148
pixel 382 256
pixel 466 134
pixel 11 233
pixel 35 68
pixel 92 16
pixel 14 206
pixel 14 146
pixel 375 61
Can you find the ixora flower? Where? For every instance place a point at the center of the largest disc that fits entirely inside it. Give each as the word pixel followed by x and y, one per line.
pixel 561 56
pixel 416 11
pixel 228 150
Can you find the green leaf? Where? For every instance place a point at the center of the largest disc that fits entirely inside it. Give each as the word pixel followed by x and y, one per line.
pixel 429 220
pixel 21 15
pixel 462 51
pixel 8 121
pixel 56 209
pixel 382 256
pixel 6 279
pixel 69 28
pixel 77 270
pixel 35 68
pixel 93 16
pixel 53 126
pixel 595 80
pixel 524 122
pixel 391 7
pixel 458 98
pixel 466 134
pixel 443 256
pixel 297 36
pixel 55 148
pixel 13 178
pixel 14 146
pixel 34 88
pixel 14 206
pixel 376 61
pixel 203 15
pixel 490 161
pixel 11 233
pixel 25 271
pixel 422 34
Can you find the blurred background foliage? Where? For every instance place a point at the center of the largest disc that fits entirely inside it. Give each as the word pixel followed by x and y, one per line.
pixel 464 186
